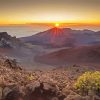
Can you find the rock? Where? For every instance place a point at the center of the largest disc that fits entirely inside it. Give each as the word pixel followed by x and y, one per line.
pixel 14 95
pixel 1 93
pixel 86 98
pixel 48 86
pixel 5 35
pixel 95 97
pixel 4 43
pixel 54 98
pixel 45 91
pixel 33 85
pixel 68 92
pixel 73 93
pixel 6 90
pixel 11 63
pixel 73 97
pixel 91 93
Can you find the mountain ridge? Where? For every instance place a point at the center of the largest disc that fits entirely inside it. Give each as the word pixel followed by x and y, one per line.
pixel 63 37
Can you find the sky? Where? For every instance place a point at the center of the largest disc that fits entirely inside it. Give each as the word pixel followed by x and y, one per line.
pixel 49 11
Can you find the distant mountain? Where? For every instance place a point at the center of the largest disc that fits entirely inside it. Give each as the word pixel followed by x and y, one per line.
pixel 11 46
pixel 54 37
pixel 63 37
pixel 7 41
pixel 84 54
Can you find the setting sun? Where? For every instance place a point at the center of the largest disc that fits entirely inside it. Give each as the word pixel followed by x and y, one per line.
pixel 57 25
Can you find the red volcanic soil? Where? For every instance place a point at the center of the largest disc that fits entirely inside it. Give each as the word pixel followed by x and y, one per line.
pixel 84 54
pixel 4 51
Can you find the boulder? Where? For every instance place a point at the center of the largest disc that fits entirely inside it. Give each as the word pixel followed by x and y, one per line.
pixel 14 95
pixel 6 90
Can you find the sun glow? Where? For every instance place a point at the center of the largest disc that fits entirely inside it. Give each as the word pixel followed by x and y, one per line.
pixel 57 25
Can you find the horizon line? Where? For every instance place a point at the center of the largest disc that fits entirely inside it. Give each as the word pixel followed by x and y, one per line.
pixel 52 23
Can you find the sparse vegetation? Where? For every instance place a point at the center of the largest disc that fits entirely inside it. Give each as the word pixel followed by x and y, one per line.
pixel 57 84
pixel 89 81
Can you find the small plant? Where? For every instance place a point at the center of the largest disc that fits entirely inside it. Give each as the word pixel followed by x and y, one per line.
pixel 89 81
pixel 30 77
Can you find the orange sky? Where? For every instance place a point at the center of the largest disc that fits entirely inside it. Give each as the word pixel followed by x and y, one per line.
pixel 50 11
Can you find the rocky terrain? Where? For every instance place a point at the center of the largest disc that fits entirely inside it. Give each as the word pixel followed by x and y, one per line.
pixel 55 84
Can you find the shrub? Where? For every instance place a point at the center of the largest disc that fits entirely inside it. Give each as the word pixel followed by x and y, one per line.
pixel 89 81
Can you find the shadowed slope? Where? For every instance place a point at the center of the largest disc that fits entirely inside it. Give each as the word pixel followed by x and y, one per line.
pixel 84 54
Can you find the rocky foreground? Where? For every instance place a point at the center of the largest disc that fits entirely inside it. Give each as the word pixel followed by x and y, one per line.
pixel 56 84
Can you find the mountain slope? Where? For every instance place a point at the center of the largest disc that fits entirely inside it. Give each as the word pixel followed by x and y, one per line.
pixel 84 54
pixel 64 37
pixel 54 37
